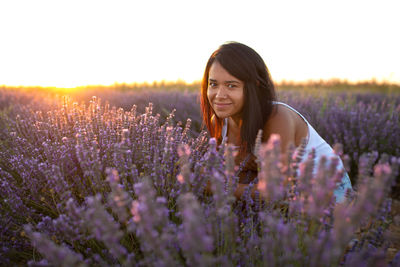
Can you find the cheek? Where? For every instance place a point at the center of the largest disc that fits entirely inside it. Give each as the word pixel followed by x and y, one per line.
pixel 209 96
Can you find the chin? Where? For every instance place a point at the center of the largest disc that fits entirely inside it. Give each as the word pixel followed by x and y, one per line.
pixel 221 116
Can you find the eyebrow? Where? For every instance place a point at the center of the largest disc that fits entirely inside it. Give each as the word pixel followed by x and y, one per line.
pixel 212 80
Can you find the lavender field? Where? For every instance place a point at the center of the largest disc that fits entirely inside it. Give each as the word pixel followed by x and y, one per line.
pixel 118 180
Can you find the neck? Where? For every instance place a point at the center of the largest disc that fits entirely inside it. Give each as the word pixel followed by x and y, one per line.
pixel 234 127
pixel 236 121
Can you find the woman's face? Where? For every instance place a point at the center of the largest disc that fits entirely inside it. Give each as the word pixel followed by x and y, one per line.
pixel 225 93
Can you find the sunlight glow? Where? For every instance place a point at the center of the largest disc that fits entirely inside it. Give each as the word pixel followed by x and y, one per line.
pixel 77 43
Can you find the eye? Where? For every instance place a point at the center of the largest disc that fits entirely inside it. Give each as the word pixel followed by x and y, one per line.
pixel 231 86
pixel 212 84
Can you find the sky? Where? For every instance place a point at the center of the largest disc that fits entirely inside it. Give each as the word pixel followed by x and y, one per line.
pixel 76 43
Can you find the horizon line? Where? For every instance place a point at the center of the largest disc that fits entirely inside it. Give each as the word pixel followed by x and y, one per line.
pixel 332 81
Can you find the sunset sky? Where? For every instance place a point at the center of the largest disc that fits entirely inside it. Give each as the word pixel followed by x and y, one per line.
pixel 72 43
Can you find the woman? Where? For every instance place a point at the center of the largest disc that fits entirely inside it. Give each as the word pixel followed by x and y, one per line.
pixel 238 98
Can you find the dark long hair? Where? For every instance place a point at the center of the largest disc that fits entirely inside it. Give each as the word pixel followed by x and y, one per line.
pixel 245 64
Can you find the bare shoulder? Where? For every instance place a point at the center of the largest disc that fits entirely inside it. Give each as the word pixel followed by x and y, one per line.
pixel 280 119
pixel 281 122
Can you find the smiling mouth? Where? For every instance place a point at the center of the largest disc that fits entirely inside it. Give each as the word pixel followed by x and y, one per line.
pixel 222 104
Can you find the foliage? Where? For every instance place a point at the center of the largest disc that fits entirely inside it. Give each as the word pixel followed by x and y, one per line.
pixel 99 185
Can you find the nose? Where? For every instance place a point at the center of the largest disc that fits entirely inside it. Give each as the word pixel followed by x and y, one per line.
pixel 221 93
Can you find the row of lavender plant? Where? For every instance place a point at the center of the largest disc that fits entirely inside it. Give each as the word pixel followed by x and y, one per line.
pixel 363 123
pixel 98 185
pixel 13 102
pixel 60 155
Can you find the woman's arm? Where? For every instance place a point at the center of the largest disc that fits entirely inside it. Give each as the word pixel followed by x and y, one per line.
pixel 238 192
pixel 281 123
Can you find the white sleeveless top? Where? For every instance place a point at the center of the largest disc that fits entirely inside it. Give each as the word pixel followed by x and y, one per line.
pixel 322 148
